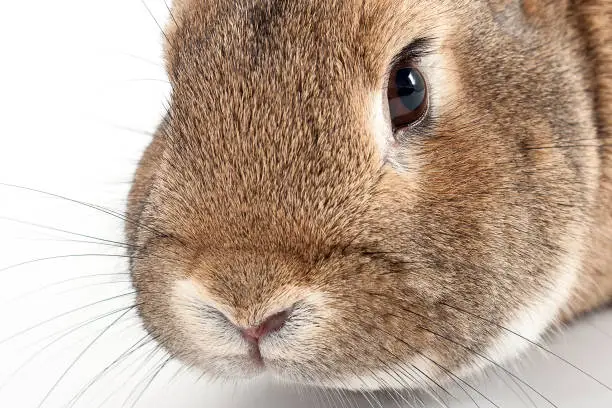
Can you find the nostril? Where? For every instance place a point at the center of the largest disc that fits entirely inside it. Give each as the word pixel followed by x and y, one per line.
pixel 251 335
pixel 269 325
pixel 276 321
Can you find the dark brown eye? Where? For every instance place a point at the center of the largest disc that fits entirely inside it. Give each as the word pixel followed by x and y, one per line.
pixel 407 95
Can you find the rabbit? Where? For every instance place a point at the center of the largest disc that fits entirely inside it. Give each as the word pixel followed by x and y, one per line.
pixel 376 194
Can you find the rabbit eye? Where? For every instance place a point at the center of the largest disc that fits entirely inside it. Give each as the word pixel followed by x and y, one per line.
pixel 407 94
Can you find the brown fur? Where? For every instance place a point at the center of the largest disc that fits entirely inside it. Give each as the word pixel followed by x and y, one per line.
pixel 594 18
pixel 265 188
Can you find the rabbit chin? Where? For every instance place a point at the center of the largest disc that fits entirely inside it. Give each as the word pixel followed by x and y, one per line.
pixel 420 373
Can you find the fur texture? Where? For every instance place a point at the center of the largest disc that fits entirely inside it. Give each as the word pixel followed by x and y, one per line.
pixel 273 183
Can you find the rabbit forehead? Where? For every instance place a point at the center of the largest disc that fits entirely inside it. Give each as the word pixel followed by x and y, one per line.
pixel 366 32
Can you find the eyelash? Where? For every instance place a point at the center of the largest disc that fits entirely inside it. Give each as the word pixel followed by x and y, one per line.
pixel 412 53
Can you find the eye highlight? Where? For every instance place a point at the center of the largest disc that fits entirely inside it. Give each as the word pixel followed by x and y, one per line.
pixel 407 95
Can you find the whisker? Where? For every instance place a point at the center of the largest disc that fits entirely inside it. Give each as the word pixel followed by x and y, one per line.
pixel 534 343
pixel 144 3
pixel 323 373
pixel 164 81
pixel 414 350
pixel 50 258
pixel 134 130
pixel 387 389
pixel 319 393
pixel 55 334
pixel 417 371
pixel 152 378
pixel 343 398
pixel 519 386
pixel 58 283
pixel 297 389
pixel 171 14
pixel 431 391
pixel 143 341
pixel 32 224
pixel 327 396
pixel 427 387
pixel 88 205
pixel 55 341
pixel 330 379
pixel 89 285
pixel 179 371
pixel 492 362
pixel 80 241
pixel 474 352
pixel 111 395
pixel 147 359
pixel 599 329
pixel 512 332
pixel 82 353
pixel 7 339
pixel 465 392
pixel 567 146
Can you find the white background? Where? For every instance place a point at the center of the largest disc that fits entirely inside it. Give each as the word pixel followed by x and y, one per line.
pixel 81 85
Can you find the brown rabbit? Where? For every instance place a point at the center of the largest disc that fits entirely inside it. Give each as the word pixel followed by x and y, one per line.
pixel 375 194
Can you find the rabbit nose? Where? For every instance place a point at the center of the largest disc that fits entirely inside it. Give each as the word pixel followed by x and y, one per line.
pixel 271 324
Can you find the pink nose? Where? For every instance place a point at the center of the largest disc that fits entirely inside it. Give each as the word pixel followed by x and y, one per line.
pixel 271 324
